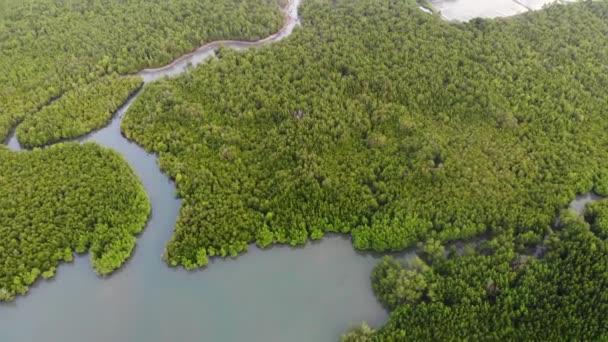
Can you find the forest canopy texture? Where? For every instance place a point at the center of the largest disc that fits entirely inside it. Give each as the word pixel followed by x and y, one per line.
pixel 49 48
pixel 494 294
pixel 374 119
pixel 379 120
pixel 64 199
pixel 382 121
pixel 78 111
pixel 65 71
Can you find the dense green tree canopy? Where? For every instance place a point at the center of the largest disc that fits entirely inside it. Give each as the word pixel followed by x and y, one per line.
pixel 378 119
pixel 64 199
pixel 597 214
pixel 48 47
pixel 499 295
pixel 78 111
pixel 60 62
pixel 374 119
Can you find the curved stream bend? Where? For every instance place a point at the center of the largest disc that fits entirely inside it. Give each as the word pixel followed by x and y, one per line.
pixel 310 293
pixel 183 63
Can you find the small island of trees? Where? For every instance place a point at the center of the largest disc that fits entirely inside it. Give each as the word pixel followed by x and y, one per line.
pixel 374 119
pixel 51 48
pixel 65 199
pixel 65 71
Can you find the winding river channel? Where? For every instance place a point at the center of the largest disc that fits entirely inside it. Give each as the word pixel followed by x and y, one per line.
pixel 311 293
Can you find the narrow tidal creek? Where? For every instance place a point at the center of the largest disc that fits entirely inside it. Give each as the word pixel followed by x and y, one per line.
pixel 311 293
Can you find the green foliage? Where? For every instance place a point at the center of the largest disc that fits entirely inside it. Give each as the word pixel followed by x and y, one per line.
pixel 77 112
pixel 62 199
pixel 395 286
pixel 68 255
pixel 377 119
pixel 50 48
pixel 60 62
pixel 508 297
pixel 361 333
pixel 201 258
pixel 597 214
pixel 264 238
pixel 48 274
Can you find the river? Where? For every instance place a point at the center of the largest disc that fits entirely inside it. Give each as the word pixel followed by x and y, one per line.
pixel 310 293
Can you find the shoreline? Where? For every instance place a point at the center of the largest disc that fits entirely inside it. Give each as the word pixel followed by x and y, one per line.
pixel 288 18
